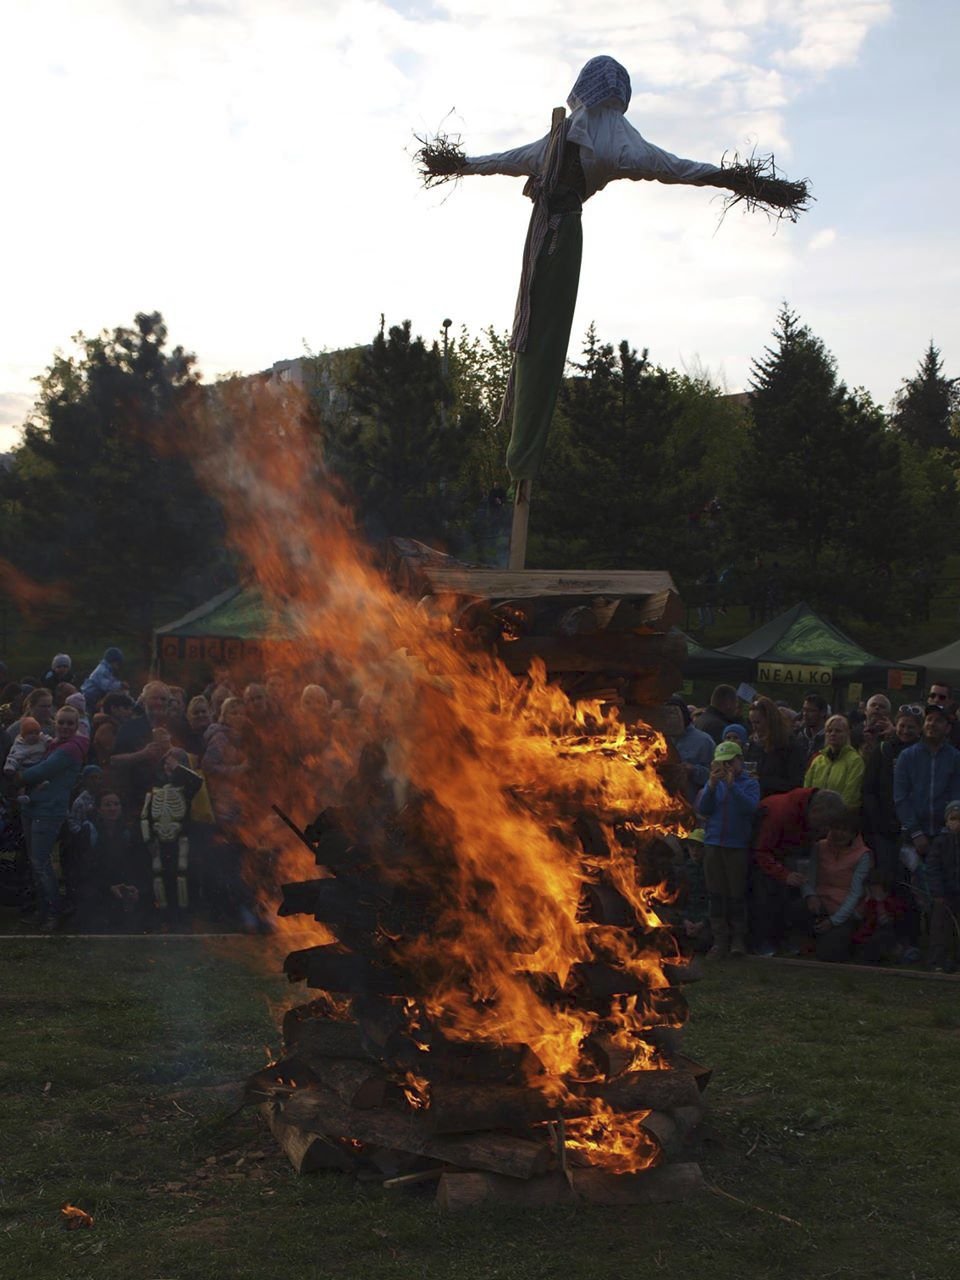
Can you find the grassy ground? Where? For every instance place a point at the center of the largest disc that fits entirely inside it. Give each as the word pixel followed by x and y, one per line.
pixel 831 1104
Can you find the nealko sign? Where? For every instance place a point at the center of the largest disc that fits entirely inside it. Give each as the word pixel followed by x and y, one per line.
pixel 781 673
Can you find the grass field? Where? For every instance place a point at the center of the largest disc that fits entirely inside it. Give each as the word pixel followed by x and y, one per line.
pixel 831 1104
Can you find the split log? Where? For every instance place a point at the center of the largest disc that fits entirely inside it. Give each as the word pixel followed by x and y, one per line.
pixel 332 969
pixel 307 1152
pixel 357 1084
pixel 662 1185
pixel 463 1108
pixel 320 1111
pixel 648 1091
pixel 603 980
pixel 642 657
pixel 700 1073
pixel 318 1038
pixel 606 905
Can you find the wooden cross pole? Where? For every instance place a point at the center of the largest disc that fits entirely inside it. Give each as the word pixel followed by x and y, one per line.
pixel 521 501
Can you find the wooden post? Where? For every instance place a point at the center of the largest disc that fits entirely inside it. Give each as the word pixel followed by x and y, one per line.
pixel 518 532
pixel 521 503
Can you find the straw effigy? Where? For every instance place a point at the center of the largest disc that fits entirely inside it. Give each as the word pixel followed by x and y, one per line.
pixel 753 182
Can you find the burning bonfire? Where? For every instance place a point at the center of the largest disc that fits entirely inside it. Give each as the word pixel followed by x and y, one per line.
pixel 471 867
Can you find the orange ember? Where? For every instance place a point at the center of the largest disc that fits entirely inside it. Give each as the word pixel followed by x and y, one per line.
pixel 72 1218
pixel 456 775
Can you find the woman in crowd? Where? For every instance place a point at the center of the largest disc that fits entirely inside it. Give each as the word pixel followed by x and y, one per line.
pixel 881 826
pixel 839 766
pixel 49 785
pixel 777 756
pixel 835 890
pixel 226 767
pixel 199 720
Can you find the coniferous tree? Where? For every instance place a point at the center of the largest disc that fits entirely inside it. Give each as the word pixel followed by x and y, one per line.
pixel 392 446
pixel 926 406
pixel 105 498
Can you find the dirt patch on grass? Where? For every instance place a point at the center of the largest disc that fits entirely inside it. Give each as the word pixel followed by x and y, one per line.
pixel 211 1231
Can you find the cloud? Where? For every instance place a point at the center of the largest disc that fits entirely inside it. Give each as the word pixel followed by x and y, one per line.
pixel 244 166
pixel 823 239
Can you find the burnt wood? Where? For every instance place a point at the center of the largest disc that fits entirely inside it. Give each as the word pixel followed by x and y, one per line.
pixel 332 969
pixel 321 1111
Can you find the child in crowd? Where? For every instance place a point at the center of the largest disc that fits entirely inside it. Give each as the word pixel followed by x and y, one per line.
pixel 164 822
pixel 695 908
pixel 943 883
pixel 78 838
pixel 79 704
pixel 29 747
pixel 119 872
pixel 835 890
pixel 728 803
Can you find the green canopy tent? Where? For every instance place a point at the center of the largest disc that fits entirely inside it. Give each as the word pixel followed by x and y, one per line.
pixel 942 664
pixel 230 627
pixel 799 648
pixel 703 665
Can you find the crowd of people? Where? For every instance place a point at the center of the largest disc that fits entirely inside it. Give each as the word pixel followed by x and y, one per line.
pixel 834 835
pixel 820 832
pixel 142 800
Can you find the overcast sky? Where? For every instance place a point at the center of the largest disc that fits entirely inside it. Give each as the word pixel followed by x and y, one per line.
pixel 244 167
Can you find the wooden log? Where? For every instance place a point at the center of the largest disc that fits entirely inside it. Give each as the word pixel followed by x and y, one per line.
pixel 648 1091
pixel 307 1152
pixel 700 1073
pixel 358 1084
pixel 317 1038
pixel 663 1128
pixel 642 657
pixel 665 1184
pixel 603 980
pixel 320 1111
pixel 332 969
pixel 462 1108
pixel 606 905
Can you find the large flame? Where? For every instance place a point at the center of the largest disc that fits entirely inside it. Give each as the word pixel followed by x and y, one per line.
pixel 486 773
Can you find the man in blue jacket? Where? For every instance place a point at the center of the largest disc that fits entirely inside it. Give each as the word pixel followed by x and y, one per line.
pixel 728 804
pixel 926 778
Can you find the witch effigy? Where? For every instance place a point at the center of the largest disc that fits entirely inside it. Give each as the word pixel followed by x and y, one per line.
pixel 580 155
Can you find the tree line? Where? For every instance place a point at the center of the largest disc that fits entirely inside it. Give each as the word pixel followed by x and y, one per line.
pixel 803 487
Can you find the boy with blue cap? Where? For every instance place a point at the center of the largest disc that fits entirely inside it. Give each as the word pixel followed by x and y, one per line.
pixel 728 803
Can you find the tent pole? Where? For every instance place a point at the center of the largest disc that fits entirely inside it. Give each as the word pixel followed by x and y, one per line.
pixel 521 519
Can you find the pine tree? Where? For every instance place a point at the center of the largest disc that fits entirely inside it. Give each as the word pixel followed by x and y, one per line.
pixel 105 498
pixel 926 406
pixel 392 447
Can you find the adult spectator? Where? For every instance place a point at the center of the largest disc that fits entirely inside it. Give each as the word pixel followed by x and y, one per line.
pixel 60 672
pixel 278 691
pixel 838 767
pixel 141 744
pixel 120 707
pixel 226 767
pixel 787 824
pixel 943 881
pixel 721 713
pixel 877 724
pixel 103 679
pixel 39 704
pixel 813 719
pixel 881 826
pixel 694 747
pixel 777 755
pixel 941 695
pixel 926 778
pixel 728 803
pixel 48 806
pixel 835 888
pixel 199 721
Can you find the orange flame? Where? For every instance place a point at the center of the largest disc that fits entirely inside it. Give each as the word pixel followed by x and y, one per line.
pixel 483 777
pixel 72 1218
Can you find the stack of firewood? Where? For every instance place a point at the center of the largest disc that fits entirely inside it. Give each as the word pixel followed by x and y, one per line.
pixel 372 1082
